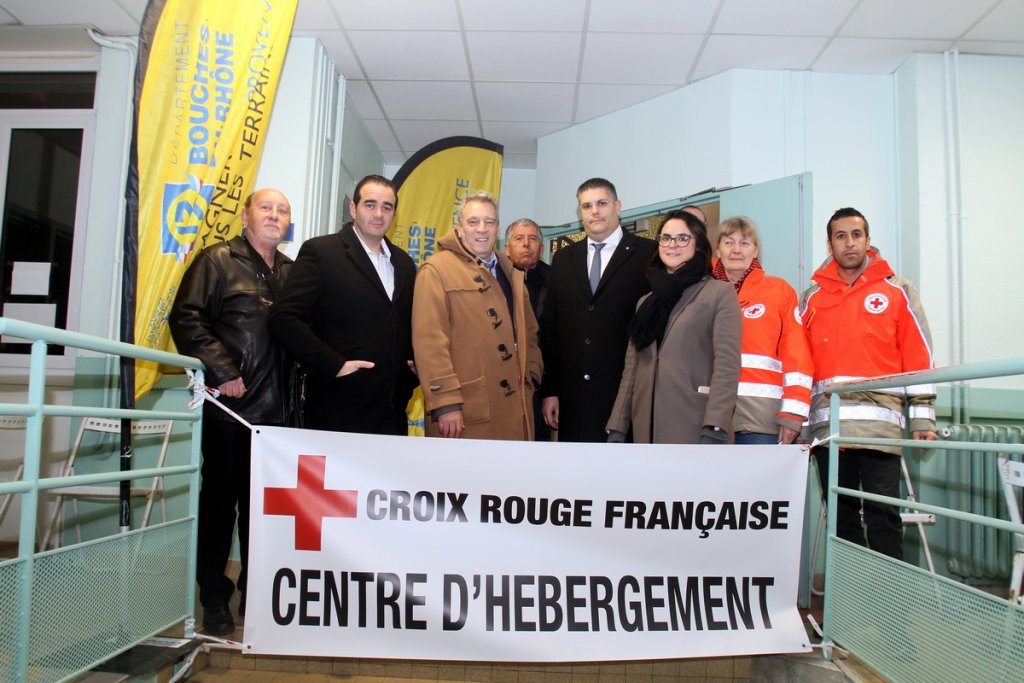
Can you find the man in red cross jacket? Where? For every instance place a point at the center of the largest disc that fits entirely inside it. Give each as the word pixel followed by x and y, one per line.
pixel 862 322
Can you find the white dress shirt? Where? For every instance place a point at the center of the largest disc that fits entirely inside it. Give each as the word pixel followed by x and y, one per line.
pixel 606 252
pixel 382 264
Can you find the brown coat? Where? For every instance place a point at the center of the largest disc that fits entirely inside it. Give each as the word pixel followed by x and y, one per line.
pixel 669 392
pixel 464 356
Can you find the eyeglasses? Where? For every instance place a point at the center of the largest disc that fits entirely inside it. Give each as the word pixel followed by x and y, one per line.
pixel 600 203
pixel 474 222
pixel 682 240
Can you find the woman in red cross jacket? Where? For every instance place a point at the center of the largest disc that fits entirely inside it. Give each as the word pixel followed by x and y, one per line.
pixel 776 369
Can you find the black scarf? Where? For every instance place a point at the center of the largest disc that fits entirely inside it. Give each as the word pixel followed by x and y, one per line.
pixel 651 318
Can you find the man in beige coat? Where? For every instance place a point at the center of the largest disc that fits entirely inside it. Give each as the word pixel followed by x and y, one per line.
pixel 474 334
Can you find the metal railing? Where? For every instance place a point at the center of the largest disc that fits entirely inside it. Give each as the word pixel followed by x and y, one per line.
pixel 906 622
pixel 68 609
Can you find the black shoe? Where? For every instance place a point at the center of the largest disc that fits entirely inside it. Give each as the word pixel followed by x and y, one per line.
pixel 241 605
pixel 217 620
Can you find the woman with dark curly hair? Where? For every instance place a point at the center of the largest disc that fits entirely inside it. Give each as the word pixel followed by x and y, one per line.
pixel 683 360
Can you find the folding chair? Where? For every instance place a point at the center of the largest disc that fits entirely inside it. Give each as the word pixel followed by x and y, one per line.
pixel 110 426
pixel 1012 474
pixel 915 518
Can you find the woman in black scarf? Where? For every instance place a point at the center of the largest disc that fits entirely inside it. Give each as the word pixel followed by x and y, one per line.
pixel 683 361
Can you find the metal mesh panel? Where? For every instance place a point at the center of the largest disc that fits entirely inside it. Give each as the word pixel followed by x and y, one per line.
pixel 913 626
pixel 91 601
pixel 11 573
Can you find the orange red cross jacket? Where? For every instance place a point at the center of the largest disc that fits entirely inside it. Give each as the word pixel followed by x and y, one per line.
pixel 872 327
pixel 776 367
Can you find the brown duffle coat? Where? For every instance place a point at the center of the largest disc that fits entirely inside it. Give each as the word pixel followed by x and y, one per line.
pixel 470 350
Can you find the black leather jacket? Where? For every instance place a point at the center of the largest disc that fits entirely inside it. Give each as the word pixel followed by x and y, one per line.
pixel 220 317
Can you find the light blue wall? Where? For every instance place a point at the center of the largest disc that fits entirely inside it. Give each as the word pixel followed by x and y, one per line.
pixel 974 143
pixel 732 129
pixel 667 147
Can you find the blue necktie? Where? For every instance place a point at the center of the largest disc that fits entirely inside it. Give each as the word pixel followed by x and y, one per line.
pixel 595 267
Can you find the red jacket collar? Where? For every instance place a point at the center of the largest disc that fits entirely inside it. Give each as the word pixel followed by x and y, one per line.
pixel 827 276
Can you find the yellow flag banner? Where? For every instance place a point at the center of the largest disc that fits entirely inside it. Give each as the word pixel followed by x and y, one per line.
pixel 209 70
pixel 432 185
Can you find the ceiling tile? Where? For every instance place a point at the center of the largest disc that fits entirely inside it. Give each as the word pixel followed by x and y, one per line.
pixel 992 48
pixel 598 100
pixel 865 55
pixel 105 15
pixel 411 55
pixel 314 15
pixel 421 15
pixel 420 100
pixel 523 15
pixel 525 101
pixel 934 19
pixel 652 16
pixel 756 52
pixel 364 99
pixel 639 58
pixel 338 50
pixel 382 135
pixel 1004 23
pixel 783 17
pixel 516 56
pixel 519 136
pixel 414 135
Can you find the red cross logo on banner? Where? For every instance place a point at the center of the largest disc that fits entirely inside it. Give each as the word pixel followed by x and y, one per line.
pixel 309 502
pixel 876 303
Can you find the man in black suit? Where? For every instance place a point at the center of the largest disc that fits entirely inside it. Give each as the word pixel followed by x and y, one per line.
pixel 524 244
pixel 592 292
pixel 346 315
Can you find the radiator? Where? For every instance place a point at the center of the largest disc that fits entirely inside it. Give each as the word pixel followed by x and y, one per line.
pixel 973 485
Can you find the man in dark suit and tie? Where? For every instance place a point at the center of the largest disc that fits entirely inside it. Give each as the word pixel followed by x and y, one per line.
pixel 592 292
pixel 345 314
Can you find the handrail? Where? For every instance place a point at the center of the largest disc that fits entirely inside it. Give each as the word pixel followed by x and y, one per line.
pixel 31 484
pixel 52 335
pixel 969 371
pixel 50 410
pixel 931 445
pixel 960 515
pixel 977 370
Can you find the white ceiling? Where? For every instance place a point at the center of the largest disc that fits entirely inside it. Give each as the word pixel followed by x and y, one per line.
pixel 513 71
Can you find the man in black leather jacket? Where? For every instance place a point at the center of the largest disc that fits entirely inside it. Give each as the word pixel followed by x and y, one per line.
pixel 220 317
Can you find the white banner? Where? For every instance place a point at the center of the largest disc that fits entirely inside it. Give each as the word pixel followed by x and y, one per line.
pixel 400 548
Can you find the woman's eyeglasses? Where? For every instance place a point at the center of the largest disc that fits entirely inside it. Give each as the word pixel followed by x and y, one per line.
pixel 682 240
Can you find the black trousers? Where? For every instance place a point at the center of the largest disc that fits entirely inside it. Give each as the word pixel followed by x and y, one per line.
pixel 225 487
pixel 870 471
